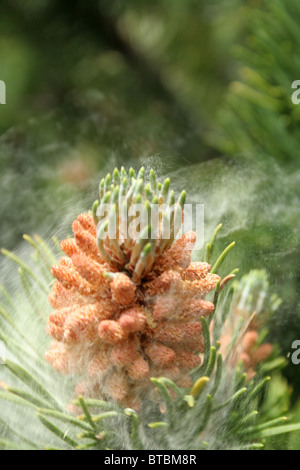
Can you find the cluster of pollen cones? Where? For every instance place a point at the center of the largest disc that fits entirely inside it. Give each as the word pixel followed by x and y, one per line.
pixel 247 349
pixel 117 331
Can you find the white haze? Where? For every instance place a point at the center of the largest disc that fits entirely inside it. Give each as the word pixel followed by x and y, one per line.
pixel 242 195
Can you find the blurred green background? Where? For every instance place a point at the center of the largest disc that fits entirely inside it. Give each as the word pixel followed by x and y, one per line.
pixel 203 85
pixel 109 82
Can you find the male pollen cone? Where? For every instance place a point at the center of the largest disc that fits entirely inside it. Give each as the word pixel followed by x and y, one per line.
pixel 126 310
